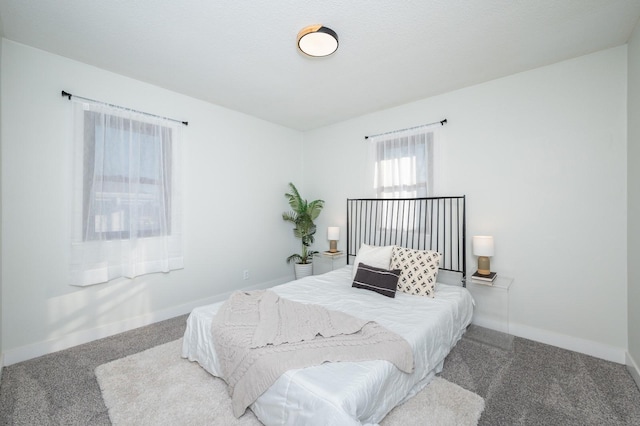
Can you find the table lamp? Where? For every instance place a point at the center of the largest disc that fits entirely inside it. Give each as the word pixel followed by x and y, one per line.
pixel 333 235
pixel 483 248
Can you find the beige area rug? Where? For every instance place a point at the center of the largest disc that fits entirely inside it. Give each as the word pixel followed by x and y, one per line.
pixel 158 387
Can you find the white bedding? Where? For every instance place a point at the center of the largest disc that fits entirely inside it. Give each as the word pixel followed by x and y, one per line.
pixel 349 393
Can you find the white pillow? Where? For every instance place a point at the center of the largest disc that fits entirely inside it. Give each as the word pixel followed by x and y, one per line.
pixel 378 256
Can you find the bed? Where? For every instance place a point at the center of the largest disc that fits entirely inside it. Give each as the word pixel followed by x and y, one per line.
pixel 353 393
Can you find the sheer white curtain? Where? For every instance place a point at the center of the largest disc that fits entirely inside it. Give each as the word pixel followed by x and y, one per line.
pixel 402 162
pixel 127 194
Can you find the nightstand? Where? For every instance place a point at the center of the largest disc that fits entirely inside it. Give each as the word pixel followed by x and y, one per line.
pixel 325 262
pixel 492 309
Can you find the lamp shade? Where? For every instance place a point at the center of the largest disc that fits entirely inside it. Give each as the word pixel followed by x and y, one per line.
pixel 333 233
pixel 317 40
pixel 483 245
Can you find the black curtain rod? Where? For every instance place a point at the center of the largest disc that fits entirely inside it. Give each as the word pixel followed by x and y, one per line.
pixel 69 95
pixel 442 123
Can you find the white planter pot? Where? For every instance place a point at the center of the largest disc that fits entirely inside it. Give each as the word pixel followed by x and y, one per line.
pixel 303 270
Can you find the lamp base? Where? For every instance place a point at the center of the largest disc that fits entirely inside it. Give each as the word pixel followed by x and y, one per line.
pixel 333 246
pixel 484 266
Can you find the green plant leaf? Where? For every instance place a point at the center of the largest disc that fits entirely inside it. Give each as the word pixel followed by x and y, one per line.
pixel 302 216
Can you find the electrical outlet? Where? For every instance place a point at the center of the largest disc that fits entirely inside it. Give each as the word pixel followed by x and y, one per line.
pixel 245 274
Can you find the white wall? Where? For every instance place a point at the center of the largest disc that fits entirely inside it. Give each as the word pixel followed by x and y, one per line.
pixel 541 156
pixel 1 354
pixel 633 193
pixel 237 170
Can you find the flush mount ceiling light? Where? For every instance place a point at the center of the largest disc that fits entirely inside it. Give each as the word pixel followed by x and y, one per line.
pixel 316 40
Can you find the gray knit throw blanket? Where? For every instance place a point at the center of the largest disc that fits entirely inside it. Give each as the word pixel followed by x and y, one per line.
pixel 258 336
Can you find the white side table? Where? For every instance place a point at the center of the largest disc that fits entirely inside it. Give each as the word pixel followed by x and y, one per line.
pixel 492 303
pixel 491 313
pixel 325 262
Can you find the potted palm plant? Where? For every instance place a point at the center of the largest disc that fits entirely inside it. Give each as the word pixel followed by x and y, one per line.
pixel 302 215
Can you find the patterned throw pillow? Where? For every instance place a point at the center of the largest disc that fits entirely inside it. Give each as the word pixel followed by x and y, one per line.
pixel 419 270
pixel 375 279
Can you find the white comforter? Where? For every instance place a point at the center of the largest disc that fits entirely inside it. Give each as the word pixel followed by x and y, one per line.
pixel 350 393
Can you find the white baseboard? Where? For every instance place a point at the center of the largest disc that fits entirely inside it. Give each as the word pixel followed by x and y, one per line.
pixel 489 323
pixel 576 344
pixel 23 353
pixel 633 368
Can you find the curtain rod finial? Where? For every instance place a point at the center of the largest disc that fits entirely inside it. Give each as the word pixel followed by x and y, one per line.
pixel 66 94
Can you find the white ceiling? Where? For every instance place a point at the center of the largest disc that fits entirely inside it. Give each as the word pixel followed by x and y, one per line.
pixel 242 54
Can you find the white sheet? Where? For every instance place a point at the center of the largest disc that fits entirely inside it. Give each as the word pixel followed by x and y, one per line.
pixel 349 393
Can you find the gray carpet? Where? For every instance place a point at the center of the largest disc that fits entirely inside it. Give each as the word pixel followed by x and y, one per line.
pixel 529 383
pixel 522 382
pixel 61 388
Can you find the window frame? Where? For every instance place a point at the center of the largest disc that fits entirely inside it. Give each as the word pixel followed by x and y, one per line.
pixel 423 162
pixel 89 228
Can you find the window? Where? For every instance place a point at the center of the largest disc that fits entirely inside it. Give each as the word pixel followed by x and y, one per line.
pixel 127 194
pixel 403 163
pixel 118 201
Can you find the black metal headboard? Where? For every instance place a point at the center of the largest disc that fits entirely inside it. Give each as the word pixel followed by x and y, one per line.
pixel 434 223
